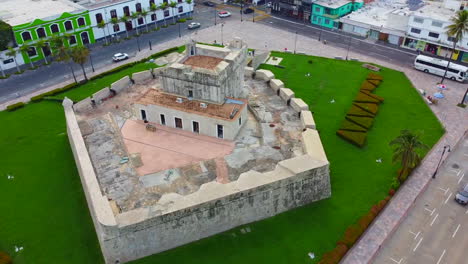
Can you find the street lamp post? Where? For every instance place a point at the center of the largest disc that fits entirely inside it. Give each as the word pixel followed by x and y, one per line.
pixel 215 14
pixel 242 6
pixel 91 59
pixel 222 39
pixel 349 45
pixel 179 31
pixel 441 156
pixel 295 42
pixel 253 16
pixel 149 42
pixel 138 43
pixel 320 33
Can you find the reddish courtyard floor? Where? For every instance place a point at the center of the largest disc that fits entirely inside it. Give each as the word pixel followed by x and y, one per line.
pixel 168 148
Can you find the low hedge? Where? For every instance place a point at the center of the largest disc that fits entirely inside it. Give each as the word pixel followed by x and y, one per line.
pixel 350 126
pixel 356 111
pixel 365 122
pixel 335 255
pixel 374 76
pixel 375 82
pixel 182 20
pixel 379 98
pixel 368 86
pixel 15 106
pixel 368 107
pixel 353 137
pixel 365 98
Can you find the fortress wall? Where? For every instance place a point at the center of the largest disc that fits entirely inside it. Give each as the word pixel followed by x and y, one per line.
pixel 216 207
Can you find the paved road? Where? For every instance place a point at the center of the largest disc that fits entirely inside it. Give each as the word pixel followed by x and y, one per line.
pixel 54 73
pixel 436 228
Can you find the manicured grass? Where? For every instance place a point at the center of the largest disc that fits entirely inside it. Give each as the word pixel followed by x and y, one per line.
pixel 44 209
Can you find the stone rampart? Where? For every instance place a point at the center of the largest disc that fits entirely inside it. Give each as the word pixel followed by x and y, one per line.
pixel 121 84
pixel 141 77
pixel 298 105
pixel 264 75
pixel 307 120
pixel 259 58
pixel 83 105
pixel 101 95
pixel 276 84
pixel 286 94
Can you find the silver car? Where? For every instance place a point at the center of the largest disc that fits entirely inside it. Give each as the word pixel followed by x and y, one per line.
pixel 462 196
pixel 119 57
pixel 194 25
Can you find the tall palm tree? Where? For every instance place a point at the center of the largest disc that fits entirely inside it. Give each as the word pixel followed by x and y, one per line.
pixel 102 25
pixel 40 45
pixel 407 145
pixel 457 30
pixel 153 9
pixel 173 6
pixel 164 7
pixel 144 14
pixel 12 54
pixel 25 50
pixel 135 16
pixel 114 21
pixel 80 55
pixel 189 2
pixel 124 20
pixel 63 54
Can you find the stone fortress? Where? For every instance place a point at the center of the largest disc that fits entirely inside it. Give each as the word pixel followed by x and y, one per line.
pixel 191 149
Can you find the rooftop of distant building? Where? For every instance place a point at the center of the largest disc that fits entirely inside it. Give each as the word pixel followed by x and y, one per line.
pixel 93 4
pixel 334 3
pixel 226 111
pixel 18 12
pixel 439 10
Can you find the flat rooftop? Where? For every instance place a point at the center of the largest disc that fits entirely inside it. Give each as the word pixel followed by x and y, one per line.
pixel 378 14
pixel 201 61
pixel 101 3
pixel 441 11
pixel 333 3
pixel 224 111
pixel 17 12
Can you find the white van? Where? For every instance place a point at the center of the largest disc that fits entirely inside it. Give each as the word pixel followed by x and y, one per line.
pixel 436 66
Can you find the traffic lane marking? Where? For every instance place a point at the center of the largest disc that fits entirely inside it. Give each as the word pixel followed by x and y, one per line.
pixel 456 230
pixel 417 245
pixel 446 200
pixel 433 220
pixel 441 256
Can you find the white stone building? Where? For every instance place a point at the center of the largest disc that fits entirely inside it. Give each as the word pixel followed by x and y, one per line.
pixel 105 10
pixel 201 92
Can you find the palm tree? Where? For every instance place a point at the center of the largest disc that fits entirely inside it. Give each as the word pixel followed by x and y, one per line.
pixel 124 20
pixel 457 30
pixel 114 21
pixel 136 15
pixel 25 49
pixel 12 54
pixel 173 6
pixel 406 150
pixel 143 14
pixel 40 45
pixel 102 25
pixel 153 9
pixel 63 54
pixel 189 2
pixel 80 55
pixel 164 7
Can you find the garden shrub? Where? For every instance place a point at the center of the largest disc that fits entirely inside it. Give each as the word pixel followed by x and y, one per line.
pixel 15 106
pixel 353 137
pixel 182 20
pixel 37 98
pixel 366 220
pixel 366 85
pixel 350 126
pixel 356 111
pixel 365 98
pixel 368 107
pixel 5 258
pixel 380 98
pixel 374 76
pixel 365 122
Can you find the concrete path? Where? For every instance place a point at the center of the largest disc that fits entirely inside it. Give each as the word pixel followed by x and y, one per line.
pixel 454 119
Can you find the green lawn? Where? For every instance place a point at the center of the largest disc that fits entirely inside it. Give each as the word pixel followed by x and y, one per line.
pixel 44 210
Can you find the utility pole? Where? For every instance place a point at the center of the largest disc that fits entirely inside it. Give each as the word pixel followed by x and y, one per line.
pixel 149 42
pixel 295 42
pixel 441 156
pixel 214 8
pixel 179 30
pixel 138 43
pixel 349 45
pixel 222 40
pixel 90 58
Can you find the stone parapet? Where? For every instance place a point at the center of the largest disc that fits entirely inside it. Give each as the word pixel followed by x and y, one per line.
pixel 100 95
pixel 307 120
pixel 141 77
pixel 83 105
pixel 264 75
pixel 286 94
pixel 299 105
pixel 121 84
pixel 312 145
pixel 248 71
pixel 276 84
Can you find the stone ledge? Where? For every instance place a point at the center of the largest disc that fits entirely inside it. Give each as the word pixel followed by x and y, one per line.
pixel 312 145
pixel 307 120
pixel 141 77
pixel 286 94
pixel 121 84
pixel 265 75
pixel 83 105
pixel 299 105
pixel 248 71
pixel 101 95
pixel 276 84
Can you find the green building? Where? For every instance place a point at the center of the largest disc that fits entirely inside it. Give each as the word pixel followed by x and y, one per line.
pixel 34 23
pixel 327 13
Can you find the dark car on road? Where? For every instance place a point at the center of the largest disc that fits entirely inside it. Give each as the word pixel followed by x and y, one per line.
pixel 208 3
pixel 248 11
pixel 462 196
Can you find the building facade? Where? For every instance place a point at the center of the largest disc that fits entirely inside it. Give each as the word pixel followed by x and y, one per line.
pixel 327 13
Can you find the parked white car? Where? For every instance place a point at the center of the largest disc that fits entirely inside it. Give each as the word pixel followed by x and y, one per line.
pixel 120 57
pixel 224 14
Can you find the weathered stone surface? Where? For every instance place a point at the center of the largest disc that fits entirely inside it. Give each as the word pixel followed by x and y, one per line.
pixel 248 72
pixel 259 58
pixel 83 105
pixel 276 84
pixel 141 77
pixel 286 94
pixel 121 84
pixel 313 145
pixel 265 75
pixel 307 120
pixel 101 94
pixel 298 105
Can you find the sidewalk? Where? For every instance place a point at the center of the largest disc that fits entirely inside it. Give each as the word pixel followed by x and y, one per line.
pixel 454 119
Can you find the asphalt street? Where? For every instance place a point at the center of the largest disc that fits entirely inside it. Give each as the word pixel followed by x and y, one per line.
pixel 435 230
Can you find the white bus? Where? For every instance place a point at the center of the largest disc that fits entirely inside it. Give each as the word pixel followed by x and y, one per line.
pixel 436 66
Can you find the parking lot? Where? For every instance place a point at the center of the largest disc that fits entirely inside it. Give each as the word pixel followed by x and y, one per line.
pixel 435 230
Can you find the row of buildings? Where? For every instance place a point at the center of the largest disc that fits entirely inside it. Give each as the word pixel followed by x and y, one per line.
pixel 413 24
pixel 34 21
